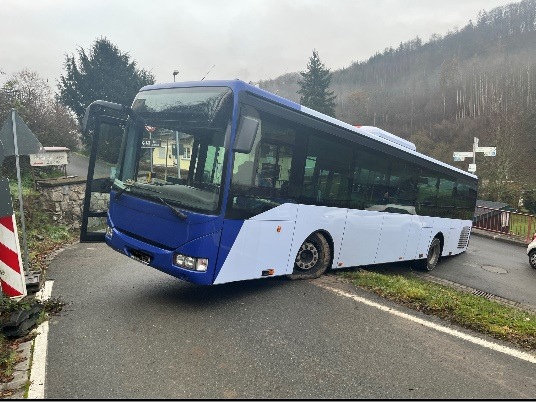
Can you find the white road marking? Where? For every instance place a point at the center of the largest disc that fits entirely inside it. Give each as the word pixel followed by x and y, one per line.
pixel 45 292
pixel 490 345
pixel 39 358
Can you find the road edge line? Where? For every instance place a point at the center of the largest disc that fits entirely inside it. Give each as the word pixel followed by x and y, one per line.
pixel 40 346
pixel 473 339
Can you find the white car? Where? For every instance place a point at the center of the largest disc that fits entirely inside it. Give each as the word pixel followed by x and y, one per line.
pixel 531 252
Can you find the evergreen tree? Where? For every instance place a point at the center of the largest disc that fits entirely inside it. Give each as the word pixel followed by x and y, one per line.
pixel 314 87
pixel 103 73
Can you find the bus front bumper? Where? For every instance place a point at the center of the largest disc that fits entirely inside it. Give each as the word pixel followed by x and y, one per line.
pixel 162 259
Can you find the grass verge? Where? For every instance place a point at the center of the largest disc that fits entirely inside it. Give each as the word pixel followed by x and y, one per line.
pixel 467 310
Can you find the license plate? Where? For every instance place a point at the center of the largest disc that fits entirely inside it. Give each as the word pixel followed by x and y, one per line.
pixel 145 259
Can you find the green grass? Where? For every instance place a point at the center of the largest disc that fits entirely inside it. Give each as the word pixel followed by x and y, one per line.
pixel 465 309
pixel 522 225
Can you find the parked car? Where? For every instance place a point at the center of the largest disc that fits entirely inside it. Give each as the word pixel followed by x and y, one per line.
pixel 531 252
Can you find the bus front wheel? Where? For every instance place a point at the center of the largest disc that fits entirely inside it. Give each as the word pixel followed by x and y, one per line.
pixel 432 258
pixel 313 258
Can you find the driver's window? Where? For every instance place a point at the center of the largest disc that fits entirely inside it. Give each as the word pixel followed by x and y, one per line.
pixel 267 168
pixel 273 169
pixel 260 179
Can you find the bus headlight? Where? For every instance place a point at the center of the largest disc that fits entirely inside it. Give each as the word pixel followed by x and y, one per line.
pixel 179 260
pixel 191 263
pixel 109 232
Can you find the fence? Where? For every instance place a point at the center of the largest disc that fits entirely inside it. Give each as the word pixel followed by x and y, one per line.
pixel 511 223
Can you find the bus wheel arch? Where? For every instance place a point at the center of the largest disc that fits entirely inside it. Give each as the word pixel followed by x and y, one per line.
pixel 434 253
pixel 314 256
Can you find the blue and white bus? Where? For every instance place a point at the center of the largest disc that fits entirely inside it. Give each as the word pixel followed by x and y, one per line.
pixel 251 185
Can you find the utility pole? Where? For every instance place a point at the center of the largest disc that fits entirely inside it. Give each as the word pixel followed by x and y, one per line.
pixel 487 151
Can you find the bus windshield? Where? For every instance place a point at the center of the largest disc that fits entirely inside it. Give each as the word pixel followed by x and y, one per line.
pixel 178 157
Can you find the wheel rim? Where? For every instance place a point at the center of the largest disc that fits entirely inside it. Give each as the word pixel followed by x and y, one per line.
pixel 307 256
pixel 533 259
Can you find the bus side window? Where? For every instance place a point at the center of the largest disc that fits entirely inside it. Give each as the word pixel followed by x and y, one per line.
pixel 309 188
pixel 427 192
pixel 465 199
pixel 327 173
pixel 446 191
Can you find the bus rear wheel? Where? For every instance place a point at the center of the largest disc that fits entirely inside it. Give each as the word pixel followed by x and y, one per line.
pixel 432 258
pixel 313 258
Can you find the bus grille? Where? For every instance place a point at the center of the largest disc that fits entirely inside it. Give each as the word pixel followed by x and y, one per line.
pixel 464 237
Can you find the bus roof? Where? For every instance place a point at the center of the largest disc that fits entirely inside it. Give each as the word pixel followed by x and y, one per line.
pixel 366 131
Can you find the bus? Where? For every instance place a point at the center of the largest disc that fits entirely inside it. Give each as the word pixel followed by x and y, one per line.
pixel 263 187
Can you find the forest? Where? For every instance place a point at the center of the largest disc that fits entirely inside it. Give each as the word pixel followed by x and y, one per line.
pixel 475 82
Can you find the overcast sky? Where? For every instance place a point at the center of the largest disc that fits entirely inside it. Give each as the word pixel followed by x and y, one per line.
pixel 246 39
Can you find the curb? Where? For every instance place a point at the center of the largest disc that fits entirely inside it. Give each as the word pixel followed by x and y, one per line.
pixel 468 289
pixel 20 373
pixel 499 236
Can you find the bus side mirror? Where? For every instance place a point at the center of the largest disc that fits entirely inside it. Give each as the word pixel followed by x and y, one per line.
pixel 245 137
pixel 89 114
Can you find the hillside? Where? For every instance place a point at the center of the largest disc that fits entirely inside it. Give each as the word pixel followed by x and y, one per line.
pixel 478 81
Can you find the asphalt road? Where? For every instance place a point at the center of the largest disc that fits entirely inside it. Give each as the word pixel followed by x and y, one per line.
pixel 130 331
pixel 78 165
pixel 493 266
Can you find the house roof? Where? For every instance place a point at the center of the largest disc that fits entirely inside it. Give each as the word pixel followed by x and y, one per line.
pixel 483 207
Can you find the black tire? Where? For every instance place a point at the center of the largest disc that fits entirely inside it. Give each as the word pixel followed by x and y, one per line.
pixel 313 258
pixel 432 258
pixel 532 258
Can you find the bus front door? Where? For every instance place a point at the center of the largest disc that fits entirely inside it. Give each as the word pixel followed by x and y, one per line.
pixel 105 147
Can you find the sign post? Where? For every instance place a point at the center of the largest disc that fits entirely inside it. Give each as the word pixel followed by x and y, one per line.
pixel 21 206
pixel 19 140
pixel 487 151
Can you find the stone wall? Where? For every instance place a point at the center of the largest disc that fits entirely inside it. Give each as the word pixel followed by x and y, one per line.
pixel 64 199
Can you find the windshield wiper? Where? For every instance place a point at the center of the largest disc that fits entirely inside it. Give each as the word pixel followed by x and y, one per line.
pixel 176 211
pixel 134 184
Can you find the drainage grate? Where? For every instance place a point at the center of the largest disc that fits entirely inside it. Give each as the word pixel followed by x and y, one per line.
pixel 483 294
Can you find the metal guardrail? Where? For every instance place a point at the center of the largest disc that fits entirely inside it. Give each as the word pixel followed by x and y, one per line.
pixel 510 223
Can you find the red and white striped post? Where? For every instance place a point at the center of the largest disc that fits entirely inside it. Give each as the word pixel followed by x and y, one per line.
pixel 11 270
pixel 12 279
